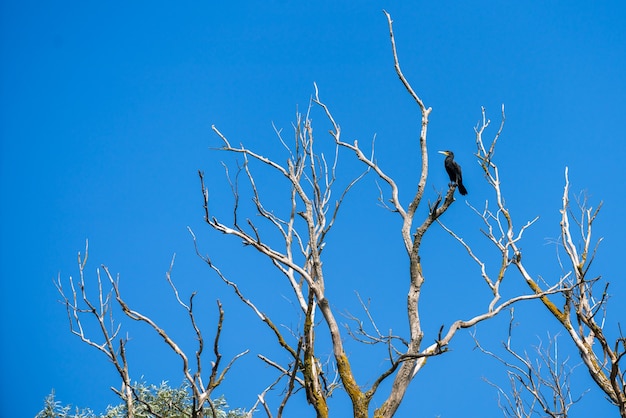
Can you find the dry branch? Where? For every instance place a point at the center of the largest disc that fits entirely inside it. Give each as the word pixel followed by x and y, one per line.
pixel 579 295
pixel 102 312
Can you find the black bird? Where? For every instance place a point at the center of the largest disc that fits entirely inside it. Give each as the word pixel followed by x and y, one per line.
pixel 454 171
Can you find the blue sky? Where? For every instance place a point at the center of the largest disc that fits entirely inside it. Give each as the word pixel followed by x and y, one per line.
pixel 106 110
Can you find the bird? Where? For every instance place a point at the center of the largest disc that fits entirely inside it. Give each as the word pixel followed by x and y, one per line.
pixel 454 171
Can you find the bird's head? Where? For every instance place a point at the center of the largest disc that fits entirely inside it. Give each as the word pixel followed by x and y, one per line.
pixel 447 153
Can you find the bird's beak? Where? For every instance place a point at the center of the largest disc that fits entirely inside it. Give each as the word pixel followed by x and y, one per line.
pixel 443 152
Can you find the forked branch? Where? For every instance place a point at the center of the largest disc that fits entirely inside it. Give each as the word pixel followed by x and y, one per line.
pixel 539 384
pixel 584 303
pixel 79 307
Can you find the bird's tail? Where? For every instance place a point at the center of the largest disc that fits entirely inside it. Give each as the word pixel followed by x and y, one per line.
pixel 462 189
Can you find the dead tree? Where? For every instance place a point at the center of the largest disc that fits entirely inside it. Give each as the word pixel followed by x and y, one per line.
pixel 81 308
pixel 580 306
pixel 298 257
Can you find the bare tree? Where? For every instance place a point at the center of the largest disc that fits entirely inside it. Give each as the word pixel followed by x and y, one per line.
pixel 297 255
pixel 583 298
pixel 80 308
pixel 294 242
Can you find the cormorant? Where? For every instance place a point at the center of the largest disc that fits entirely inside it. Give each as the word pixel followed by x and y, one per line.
pixel 454 171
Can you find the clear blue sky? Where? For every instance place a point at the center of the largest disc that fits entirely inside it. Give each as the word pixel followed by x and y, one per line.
pixel 106 111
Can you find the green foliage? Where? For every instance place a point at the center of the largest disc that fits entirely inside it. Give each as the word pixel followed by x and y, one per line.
pixel 54 409
pixel 152 401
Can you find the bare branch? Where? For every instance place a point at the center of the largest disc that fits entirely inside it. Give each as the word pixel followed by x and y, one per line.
pixel 549 390
pixel 397 66
pixel 580 304
pixel 99 313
